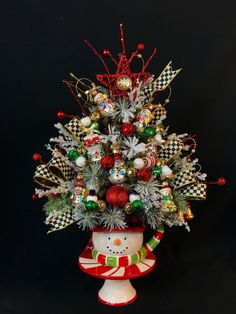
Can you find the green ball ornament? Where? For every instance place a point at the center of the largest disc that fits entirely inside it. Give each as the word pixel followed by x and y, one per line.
pixel 156 171
pixel 91 205
pixel 83 199
pixel 73 154
pixel 137 205
pixel 149 132
pixel 94 126
pixel 166 198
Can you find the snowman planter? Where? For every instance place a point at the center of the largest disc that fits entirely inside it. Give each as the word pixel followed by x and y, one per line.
pixel 117 256
pixel 119 167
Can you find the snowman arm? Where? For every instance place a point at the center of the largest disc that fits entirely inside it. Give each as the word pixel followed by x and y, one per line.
pixel 155 240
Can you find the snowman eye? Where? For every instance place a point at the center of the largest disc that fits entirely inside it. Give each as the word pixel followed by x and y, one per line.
pixel 112 171
pixel 122 171
pixel 109 238
pixel 125 238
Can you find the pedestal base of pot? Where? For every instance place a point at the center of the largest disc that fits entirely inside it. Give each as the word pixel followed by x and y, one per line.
pixel 117 293
pixel 117 289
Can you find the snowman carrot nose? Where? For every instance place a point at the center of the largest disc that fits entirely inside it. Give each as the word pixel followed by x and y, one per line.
pixel 117 242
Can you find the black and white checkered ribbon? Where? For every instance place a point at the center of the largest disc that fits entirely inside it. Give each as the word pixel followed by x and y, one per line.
pixel 172 148
pixel 74 127
pixel 53 173
pixel 183 178
pixel 45 178
pixel 196 191
pixel 60 220
pixel 159 114
pixel 60 169
pixel 159 84
pixel 166 77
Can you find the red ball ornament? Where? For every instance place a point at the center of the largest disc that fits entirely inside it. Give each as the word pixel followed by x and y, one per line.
pixel 144 175
pixel 221 181
pixel 106 52
pixel 37 157
pixel 117 196
pixel 34 197
pixel 140 46
pixel 60 115
pixel 128 129
pixel 107 162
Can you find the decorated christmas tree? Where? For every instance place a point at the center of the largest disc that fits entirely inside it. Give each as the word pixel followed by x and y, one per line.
pixel 115 168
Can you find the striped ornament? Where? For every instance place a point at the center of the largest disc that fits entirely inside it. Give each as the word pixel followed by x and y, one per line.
pixel 149 161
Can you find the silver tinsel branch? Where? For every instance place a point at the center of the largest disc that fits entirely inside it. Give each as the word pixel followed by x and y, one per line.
pixel 113 218
pixel 132 147
pixel 85 219
pixel 150 188
pixel 92 175
pixel 124 110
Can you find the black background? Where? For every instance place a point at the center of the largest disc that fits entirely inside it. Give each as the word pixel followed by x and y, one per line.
pixel 41 42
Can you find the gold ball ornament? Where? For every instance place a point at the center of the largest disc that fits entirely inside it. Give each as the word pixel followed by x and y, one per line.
pixel 167 100
pixel 170 205
pixel 94 92
pixel 85 192
pixel 160 129
pixel 79 178
pixel 189 214
pixel 127 208
pixel 132 172
pixel 82 151
pixel 180 215
pixel 95 116
pixel 165 184
pixel 115 148
pixel 101 206
pixel 150 107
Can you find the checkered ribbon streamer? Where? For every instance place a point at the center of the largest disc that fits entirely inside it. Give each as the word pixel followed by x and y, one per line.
pixel 60 169
pixel 75 129
pixel 159 84
pixel 45 178
pixel 148 91
pixel 172 148
pixel 183 178
pixel 60 221
pixel 195 191
pixel 166 77
pixel 159 114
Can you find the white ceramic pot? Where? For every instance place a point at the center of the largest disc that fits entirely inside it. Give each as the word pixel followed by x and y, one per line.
pixel 117 243
pixel 117 292
pixel 118 256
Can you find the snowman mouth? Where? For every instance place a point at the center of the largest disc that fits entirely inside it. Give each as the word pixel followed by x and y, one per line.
pixel 117 251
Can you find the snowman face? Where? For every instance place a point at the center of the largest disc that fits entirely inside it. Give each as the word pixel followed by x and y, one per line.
pixel 99 98
pixel 117 243
pixel 117 175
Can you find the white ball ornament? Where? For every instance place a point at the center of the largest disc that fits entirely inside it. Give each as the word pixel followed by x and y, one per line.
pixel 80 161
pixel 166 171
pixel 134 197
pixel 86 121
pixel 138 163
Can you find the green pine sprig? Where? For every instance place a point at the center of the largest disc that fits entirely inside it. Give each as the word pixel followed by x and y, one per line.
pixel 57 203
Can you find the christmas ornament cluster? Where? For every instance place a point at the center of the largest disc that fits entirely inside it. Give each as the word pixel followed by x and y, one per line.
pixel 115 164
